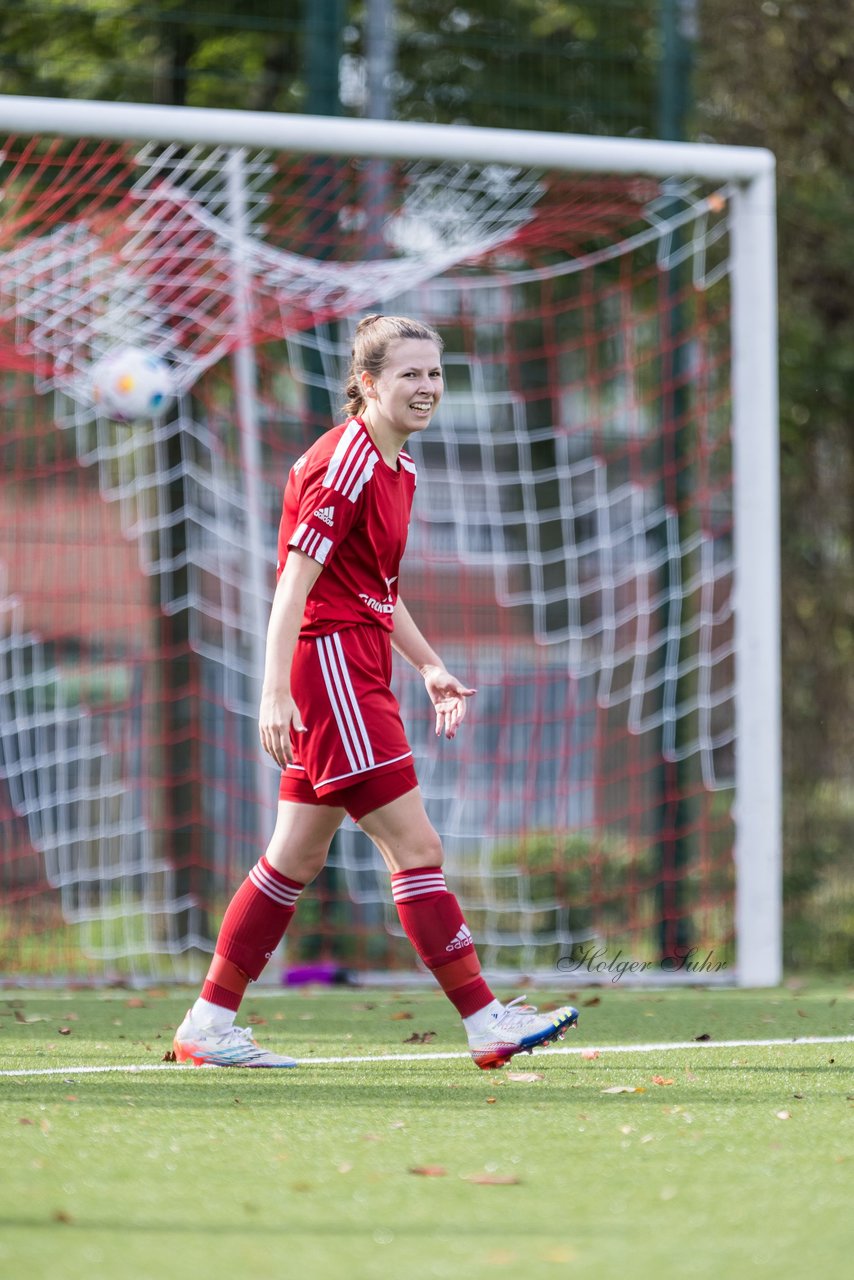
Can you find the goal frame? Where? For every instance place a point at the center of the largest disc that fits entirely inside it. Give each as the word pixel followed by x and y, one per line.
pixel 751 172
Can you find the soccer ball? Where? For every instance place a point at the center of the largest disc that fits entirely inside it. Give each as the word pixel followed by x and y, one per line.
pixel 131 383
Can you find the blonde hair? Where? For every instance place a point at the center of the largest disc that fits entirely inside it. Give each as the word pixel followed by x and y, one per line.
pixel 374 335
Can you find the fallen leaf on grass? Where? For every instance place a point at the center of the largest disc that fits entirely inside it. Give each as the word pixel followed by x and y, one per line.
pixel 703 1036
pixel 429 1171
pixel 420 1037
pixel 783 1115
pixel 623 1088
pixel 62 1215
pixel 24 1120
pixel 594 1000
pixel 492 1179
pixel 526 1077
pixel 401 1016
pixel 660 1080
pixel 64 1031
pixel 135 1002
pixel 589 1055
pixel 169 1056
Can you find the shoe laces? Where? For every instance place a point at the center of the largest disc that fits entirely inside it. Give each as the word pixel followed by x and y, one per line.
pixel 516 1013
pixel 232 1034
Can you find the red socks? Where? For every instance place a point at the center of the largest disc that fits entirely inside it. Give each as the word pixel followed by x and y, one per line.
pixel 434 924
pixel 264 905
pixel 251 929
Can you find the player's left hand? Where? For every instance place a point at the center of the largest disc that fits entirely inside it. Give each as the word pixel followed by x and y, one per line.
pixel 448 696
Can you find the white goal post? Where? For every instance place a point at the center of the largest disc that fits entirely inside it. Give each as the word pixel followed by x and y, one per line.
pixel 749 175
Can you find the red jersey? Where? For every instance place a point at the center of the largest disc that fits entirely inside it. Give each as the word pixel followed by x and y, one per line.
pixel 349 510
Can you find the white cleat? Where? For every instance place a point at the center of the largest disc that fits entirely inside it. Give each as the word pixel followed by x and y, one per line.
pixel 519 1029
pixel 229 1047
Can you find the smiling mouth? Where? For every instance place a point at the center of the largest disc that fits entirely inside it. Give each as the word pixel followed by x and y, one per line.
pixel 421 406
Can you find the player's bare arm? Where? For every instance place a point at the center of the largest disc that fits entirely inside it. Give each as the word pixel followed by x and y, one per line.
pixel 446 692
pixel 278 710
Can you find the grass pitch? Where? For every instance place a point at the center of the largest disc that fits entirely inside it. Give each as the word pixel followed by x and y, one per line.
pixel 712 1161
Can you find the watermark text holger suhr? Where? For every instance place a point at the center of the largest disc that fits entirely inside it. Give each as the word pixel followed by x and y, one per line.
pixel 596 961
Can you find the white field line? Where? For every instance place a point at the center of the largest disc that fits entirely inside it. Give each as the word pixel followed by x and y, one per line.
pixel 660 1047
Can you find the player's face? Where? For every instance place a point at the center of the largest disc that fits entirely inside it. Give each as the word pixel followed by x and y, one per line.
pixel 407 392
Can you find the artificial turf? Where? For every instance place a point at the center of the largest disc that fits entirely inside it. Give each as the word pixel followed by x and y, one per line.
pixel 722 1162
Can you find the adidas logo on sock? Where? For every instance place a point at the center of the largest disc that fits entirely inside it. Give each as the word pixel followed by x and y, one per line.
pixel 463 939
pixel 325 514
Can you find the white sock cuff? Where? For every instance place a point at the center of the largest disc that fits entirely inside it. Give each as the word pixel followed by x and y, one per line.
pixel 484 1018
pixel 279 888
pixel 406 885
pixel 212 1015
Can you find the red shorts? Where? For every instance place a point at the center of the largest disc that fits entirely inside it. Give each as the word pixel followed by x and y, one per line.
pixel 354 752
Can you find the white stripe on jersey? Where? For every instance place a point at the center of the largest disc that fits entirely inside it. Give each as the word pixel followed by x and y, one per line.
pixel 345 708
pixel 352 464
pixel 408 465
pixel 340 450
pixel 314 544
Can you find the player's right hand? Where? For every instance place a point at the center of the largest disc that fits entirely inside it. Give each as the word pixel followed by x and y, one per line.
pixel 278 715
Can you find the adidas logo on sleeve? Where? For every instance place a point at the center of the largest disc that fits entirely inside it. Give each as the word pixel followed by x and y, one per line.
pixel 325 514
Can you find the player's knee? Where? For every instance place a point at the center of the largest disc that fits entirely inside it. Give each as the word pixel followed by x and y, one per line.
pixel 426 851
pixel 301 863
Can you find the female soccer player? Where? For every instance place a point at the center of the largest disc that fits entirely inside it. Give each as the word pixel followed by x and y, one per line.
pixel 329 719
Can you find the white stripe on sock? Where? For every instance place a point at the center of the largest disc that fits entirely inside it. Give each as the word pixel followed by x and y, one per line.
pixel 285 894
pixel 408 887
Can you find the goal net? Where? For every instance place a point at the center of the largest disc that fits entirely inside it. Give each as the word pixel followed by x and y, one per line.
pixel 592 546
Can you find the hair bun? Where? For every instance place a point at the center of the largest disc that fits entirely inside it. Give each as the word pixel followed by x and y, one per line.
pixel 366 320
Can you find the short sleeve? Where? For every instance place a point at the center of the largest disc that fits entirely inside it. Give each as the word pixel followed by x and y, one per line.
pixel 330 495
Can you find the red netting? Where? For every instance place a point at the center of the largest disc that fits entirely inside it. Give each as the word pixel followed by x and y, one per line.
pixel 570 552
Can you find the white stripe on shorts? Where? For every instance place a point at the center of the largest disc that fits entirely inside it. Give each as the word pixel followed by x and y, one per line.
pixel 345 707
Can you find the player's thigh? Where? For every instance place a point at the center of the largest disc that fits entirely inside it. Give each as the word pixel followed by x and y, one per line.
pixel 404 834
pixel 300 841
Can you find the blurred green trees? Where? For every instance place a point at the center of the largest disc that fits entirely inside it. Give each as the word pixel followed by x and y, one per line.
pixel 781 75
